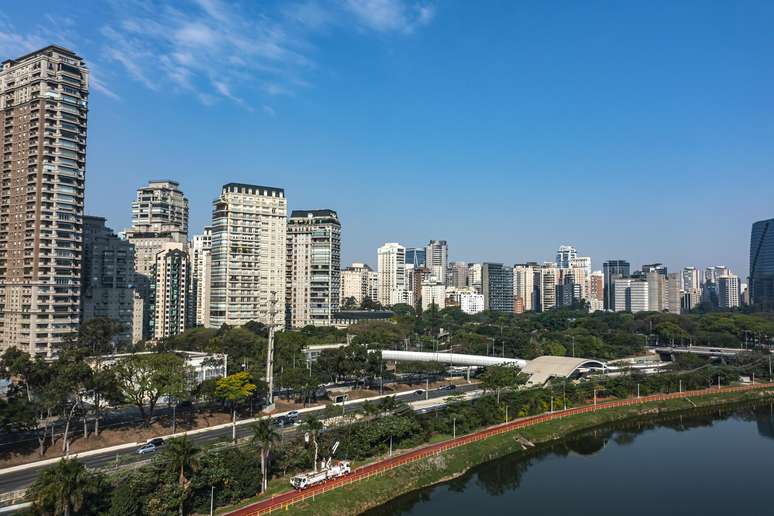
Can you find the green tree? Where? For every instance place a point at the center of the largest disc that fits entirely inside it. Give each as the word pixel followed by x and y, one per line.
pixel 143 379
pixel 498 377
pixel 32 396
pixel 180 457
pixel 234 389
pixel 67 488
pixel 264 437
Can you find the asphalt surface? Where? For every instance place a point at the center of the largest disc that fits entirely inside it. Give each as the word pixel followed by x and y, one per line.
pixel 22 479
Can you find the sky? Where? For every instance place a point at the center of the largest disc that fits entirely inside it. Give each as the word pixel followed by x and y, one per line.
pixel 631 130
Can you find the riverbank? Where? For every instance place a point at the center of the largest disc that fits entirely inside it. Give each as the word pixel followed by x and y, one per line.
pixel 450 463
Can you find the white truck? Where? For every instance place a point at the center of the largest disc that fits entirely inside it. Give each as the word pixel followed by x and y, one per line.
pixel 326 472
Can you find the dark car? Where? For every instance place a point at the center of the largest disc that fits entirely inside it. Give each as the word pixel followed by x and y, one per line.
pixel 449 387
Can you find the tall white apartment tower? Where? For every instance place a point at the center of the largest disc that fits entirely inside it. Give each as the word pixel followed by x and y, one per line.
pixel 249 255
pixel 313 267
pixel 524 284
pixel 43 109
pixel 728 291
pixel 201 266
pixel 159 217
pixel 437 259
pixel 391 270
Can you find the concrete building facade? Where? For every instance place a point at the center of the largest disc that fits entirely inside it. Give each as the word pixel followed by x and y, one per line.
pixel 44 111
pixel 313 268
pixel 107 279
pixel 249 255
pixel 391 267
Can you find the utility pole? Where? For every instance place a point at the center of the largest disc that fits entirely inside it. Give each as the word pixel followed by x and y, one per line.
pixel 454 427
pixel 573 346
pixel 270 354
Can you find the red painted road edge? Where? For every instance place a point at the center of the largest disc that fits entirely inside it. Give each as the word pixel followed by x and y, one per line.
pixel 283 500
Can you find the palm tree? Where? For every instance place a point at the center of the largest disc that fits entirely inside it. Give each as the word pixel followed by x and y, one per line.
pixel 313 426
pixel 66 488
pixel 264 437
pixel 180 455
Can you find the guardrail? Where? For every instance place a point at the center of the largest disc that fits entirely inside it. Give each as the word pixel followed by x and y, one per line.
pixel 288 498
pixel 12 497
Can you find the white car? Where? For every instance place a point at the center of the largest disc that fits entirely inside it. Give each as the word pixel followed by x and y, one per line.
pixel 147 448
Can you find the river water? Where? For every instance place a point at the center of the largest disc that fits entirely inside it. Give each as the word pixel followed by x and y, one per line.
pixel 718 462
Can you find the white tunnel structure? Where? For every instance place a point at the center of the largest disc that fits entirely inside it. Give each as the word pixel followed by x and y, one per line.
pixel 453 359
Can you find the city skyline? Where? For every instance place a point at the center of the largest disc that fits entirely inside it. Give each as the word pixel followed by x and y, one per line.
pixel 645 136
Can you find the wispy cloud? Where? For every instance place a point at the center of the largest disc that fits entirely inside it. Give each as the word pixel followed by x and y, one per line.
pixel 212 49
pixel 391 15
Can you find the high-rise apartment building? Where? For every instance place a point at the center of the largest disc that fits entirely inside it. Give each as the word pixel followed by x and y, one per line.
pixel 596 291
pixel 159 217
pixel 474 277
pixel 356 283
pixel 437 258
pixel 523 285
pixel 391 267
pixel 169 289
pixel 612 269
pixel 631 294
pixel 43 108
pixel 728 291
pixel 711 274
pixel 659 268
pixel 107 278
pixel 582 263
pixel 249 255
pixel 416 277
pixel 761 283
pixel 201 266
pixel 457 274
pixel 565 256
pixel 313 267
pixel 691 278
pixel 673 296
pixel 497 286
pixel 545 280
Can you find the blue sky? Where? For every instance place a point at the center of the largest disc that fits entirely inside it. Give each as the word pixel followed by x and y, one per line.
pixel 636 130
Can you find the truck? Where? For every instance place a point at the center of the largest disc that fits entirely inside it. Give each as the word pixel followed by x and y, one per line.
pixel 326 472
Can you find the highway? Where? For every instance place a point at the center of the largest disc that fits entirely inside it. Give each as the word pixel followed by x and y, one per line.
pixel 18 480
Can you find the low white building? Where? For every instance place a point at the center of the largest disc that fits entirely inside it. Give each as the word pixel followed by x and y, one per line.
pixel 472 303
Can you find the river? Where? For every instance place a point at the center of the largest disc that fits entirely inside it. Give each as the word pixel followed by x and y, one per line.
pixel 718 462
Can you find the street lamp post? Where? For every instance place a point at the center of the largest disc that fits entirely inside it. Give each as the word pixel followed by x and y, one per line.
pixel 454 427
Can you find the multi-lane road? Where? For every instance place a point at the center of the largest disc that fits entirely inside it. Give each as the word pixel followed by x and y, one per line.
pixel 20 479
